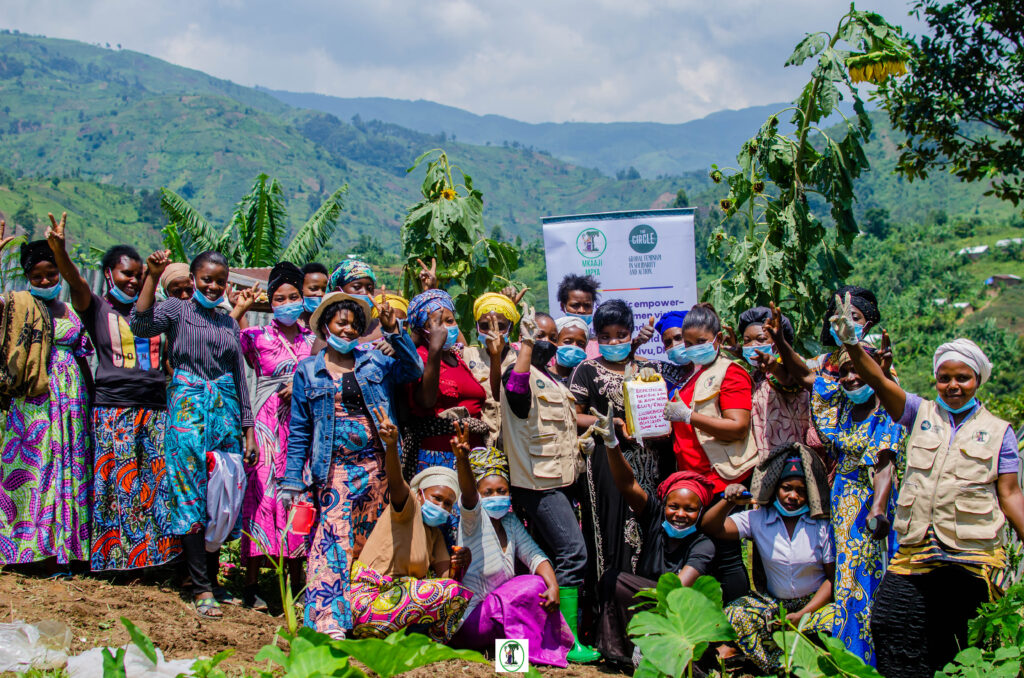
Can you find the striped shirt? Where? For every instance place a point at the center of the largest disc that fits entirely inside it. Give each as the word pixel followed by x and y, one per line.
pixel 201 341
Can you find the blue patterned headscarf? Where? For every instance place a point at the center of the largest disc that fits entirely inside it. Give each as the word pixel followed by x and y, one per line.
pixel 425 303
pixel 349 270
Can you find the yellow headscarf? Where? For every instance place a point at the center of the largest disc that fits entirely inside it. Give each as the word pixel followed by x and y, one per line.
pixel 396 302
pixel 499 303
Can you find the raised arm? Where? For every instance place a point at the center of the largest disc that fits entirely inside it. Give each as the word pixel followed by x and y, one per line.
pixel 398 489
pixel 716 521
pixel 467 483
pixel 155 265
pixel 892 397
pixel 427 390
pixel 622 472
pixel 791 360
pixel 81 295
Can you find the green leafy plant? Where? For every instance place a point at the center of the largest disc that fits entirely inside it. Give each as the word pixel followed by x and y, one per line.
pixel 253 236
pixel 447 225
pixel 785 253
pixel 972 662
pixel 829 657
pixel 676 630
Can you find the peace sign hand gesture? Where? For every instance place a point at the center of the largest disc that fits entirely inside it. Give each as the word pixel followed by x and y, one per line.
pixel 244 299
pixel 460 441
pixel 732 345
pixel 884 354
pixel 428 276
pixel 528 325
pixel 495 342
pixel 773 326
pixel 387 431
pixel 511 293
pixel 5 239
pixel 55 232
pixel 842 322
pixel 387 314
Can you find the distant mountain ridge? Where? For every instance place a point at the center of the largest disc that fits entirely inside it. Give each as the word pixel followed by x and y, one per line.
pixel 654 149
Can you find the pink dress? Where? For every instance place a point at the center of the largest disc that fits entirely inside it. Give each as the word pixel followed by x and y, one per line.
pixel 274 359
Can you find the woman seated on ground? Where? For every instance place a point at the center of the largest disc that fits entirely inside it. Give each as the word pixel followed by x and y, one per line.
pixel 959 487
pixel 504 605
pixel 392 587
pixel 790 532
pixel 670 541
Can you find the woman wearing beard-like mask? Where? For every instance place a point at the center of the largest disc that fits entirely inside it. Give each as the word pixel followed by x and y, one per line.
pixel 543 448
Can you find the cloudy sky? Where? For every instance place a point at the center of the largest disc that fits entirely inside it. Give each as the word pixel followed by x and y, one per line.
pixel 534 60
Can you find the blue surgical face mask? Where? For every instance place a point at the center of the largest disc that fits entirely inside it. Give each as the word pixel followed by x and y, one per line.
pixel 365 297
pixel 963 408
pixel 678 355
pixel 587 318
pixel 341 345
pixel 288 314
pixel 311 303
pixel 203 301
pixel 120 296
pixel 860 395
pixel 570 355
pixel 46 293
pixel 791 514
pixel 433 515
pixel 675 532
pixel 702 354
pixel 496 507
pixel 615 353
pixel 858 331
pixel 750 353
pixel 453 336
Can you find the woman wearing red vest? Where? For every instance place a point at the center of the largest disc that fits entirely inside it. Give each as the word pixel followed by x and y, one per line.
pixel 959 487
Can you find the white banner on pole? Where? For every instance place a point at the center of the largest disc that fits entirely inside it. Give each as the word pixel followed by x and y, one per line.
pixel 646 258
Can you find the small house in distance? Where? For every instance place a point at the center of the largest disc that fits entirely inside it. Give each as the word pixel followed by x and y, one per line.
pixel 973 253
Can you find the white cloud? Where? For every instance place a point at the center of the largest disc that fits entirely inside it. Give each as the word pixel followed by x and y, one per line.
pixel 535 60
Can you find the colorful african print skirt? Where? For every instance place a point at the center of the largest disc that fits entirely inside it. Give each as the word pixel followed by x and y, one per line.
pixel 202 416
pixel 130 500
pixel 753 619
pixel 382 605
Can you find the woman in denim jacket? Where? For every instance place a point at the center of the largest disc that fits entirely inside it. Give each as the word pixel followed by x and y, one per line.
pixel 333 428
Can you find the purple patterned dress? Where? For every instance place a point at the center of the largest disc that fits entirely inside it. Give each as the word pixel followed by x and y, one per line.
pixel 46 468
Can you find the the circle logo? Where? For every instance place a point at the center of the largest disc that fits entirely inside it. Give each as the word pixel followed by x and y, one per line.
pixel 591 243
pixel 511 656
pixel 643 238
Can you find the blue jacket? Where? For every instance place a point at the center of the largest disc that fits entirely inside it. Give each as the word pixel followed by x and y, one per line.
pixel 311 431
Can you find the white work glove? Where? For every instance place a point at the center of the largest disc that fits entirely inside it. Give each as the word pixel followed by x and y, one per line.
pixel 677 410
pixel 287 498
pixel 648 374
pixel 842 322
pixel 528 325
pixel 586 442
pixel 604 427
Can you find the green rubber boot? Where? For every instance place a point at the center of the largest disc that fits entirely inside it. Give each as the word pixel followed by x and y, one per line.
pixel 568 603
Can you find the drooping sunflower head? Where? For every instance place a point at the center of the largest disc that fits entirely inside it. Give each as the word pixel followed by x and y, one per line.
pixel 449 194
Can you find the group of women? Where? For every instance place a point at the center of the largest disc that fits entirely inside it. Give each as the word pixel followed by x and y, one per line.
pixel 474 489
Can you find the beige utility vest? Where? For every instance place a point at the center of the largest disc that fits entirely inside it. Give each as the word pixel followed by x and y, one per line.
pixel 542 449
pixel 729 459
pixel 951 485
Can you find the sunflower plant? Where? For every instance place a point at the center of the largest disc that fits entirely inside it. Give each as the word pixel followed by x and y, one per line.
pixel 785 252
pixel 446 226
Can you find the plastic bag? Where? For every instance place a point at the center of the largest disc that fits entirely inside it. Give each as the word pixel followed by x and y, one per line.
pixel 33 646
pixel 89 664
pixel 645 406
pixel 224 492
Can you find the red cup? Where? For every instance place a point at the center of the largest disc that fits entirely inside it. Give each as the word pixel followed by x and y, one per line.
pixel 302 517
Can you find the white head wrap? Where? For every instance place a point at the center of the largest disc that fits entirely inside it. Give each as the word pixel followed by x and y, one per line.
pixel 434 476
pixel 967 352
pixel 572 321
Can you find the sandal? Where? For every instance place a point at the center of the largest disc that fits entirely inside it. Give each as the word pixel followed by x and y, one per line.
pixel 225 597
pixel 251 599
pixel 208 608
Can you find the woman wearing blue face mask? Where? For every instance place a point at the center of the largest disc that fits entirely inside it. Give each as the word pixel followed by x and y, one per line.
pixel 338 396
pixel 496 315
pixel 208 408
pixel 577 298
pixel 668 522
pixel 357 278
pixel 447 392
pixel 273 351
pixel 597 383
pixel 504 605
pixel 866 443
pixel 570 345
pixel 780 407
pixel 129 418
pixel 314 287
pixel 959 487
pixel 47 454
pixel 404 575
pixel 790 534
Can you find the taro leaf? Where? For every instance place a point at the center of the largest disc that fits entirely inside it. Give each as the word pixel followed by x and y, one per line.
pixel 399 653
pixel 667 583
pixel 672 639
pixel 113 665
pixel 647 670
pixel 800 655
pixel 710 587
pixel 310 654
pixel 840 661
pixel 140 639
